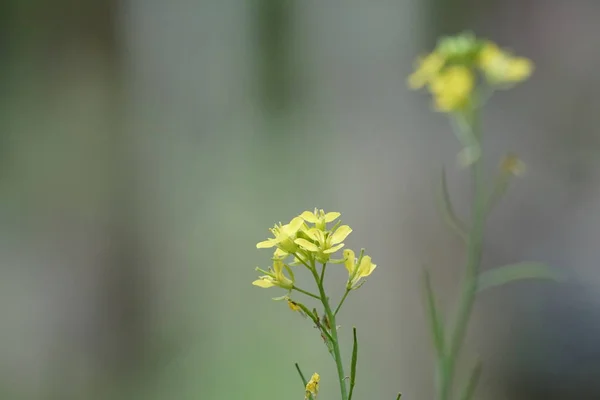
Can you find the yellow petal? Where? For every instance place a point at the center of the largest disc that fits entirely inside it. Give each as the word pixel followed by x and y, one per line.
pixel 293 306
pixel 518 69
pixel 277 266
pixel 263 283
pixel 313 233
pixel 309 217
pixel 279 253
pixel 340 234
pixel 293 227
pixel 334 248
pixel 349 261
pixel 331 216
pixel 366 267
pixel 307 245
pixel 266 244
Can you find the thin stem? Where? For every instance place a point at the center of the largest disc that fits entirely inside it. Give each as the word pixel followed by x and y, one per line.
pixel 322 274
pixel 472 384
pixel 341 302
pixel 304 382
pixel 296 288
pixel 469 286
pixel 353 365
pixel 334 335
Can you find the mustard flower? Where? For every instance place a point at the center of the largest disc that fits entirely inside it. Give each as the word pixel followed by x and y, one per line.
pixel 357 269
pixel 284 236
pixel 452 88
pixel 512 165
pixel 275 277
pixel 312 387
pixel 319 217
pixel 500 67
pixel 324 243
pixel 426 69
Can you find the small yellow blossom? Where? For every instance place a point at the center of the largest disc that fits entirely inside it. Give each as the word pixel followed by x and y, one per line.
pixel 284 236
pixel 312 387
pixel 452 88
pixel 357 269
pixel 319 217
pixel 293 305
pixel 426 69
pixel 275 277
pixel 324 243
pixel 500 67
pixel 511 164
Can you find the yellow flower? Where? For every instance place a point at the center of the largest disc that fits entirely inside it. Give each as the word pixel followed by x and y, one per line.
pixel 511 164
pixel 324 243
pixel 452 88
pixel 275 277
pixel 312 387
pixel 500 67
pixel 357 269
pixel 426 69
pixel 319 217
pixel 284 236
pixel 293 305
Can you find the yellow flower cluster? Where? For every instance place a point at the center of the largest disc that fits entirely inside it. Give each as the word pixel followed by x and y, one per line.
pixel 450 70
pixel 312 387
pixel 307 239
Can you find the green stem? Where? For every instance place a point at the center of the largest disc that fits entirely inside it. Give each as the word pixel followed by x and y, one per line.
pixel 304 382
pixel 322 274
pixel 334 335
pixel 306 292
pixel 341 302
pixel 469 286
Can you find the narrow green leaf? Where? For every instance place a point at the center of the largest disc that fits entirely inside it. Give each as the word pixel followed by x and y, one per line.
pixel 516 272
pixel 353 365
pixel 304 382
pixel 399 395
pixel 447 210
pixel 472 383
pixel 435 322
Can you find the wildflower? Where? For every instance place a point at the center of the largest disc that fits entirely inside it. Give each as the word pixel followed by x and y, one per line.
pixel 275 277
pixel 284 236
pixel 500 67
pixel 512 165
pixel 319 218
pixel 324 243
pixel 312 387
pixel 452 88
pixel 357 269
pixel 427 68
pixel 293 305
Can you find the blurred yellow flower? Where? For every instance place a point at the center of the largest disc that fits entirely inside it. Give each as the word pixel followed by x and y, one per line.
pixel 500 67
pixel 452 88
pixel 426 69
pixel 312 387
pixel 319 217
pixel 275 277
pixel 284 236
pixel 357 269
pixel 511 164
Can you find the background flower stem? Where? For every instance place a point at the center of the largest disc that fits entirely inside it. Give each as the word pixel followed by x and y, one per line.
pixel 474 251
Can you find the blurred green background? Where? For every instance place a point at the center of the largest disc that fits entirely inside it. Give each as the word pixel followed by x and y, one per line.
pixel 146 146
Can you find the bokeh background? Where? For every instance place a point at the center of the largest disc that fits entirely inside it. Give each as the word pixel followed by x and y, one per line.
pixel 146 146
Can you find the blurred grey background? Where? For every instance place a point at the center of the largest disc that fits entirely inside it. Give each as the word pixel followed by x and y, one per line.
pixel 146 146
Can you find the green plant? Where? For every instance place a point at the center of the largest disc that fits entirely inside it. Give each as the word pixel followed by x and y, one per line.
pixel 461 74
